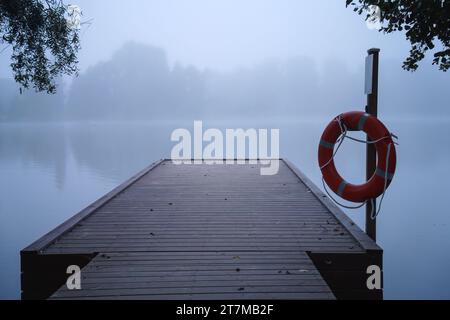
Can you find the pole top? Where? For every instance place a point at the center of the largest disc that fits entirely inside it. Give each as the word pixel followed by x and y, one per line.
pixel 373 50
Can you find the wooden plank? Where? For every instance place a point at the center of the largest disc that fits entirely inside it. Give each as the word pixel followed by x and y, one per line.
pixel 195 249
pixel 215 296
pixel 196 278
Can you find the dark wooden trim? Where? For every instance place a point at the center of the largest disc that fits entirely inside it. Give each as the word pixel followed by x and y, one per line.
pixel 39 245
pixel 363 239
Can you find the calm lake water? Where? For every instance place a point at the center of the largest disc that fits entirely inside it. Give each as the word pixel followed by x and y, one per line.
pixel 48 172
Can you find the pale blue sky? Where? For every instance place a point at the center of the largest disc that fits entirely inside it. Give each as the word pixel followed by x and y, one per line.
pixel 225 34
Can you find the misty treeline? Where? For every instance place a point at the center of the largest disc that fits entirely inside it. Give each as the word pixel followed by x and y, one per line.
pixel 139 84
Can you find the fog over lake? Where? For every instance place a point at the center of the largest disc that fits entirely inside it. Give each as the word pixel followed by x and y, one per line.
pixel 155 66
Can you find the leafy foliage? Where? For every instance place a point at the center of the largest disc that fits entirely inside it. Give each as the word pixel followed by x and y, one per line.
pixel 43 45
pixel 423 20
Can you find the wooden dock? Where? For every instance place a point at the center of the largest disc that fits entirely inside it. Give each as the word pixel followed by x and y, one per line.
pixel 206 232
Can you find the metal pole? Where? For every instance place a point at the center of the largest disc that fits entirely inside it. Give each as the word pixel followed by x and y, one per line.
pixel 371 155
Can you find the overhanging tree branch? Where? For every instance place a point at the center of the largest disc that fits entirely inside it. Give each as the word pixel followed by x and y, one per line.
pixel 426 24
pixel 44 46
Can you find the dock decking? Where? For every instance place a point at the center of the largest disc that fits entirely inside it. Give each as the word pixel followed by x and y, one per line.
pixel 204 232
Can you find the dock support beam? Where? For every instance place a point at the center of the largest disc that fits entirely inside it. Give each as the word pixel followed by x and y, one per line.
pixel 372 63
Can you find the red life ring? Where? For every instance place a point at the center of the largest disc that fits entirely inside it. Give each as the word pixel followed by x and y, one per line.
pixel 358 121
